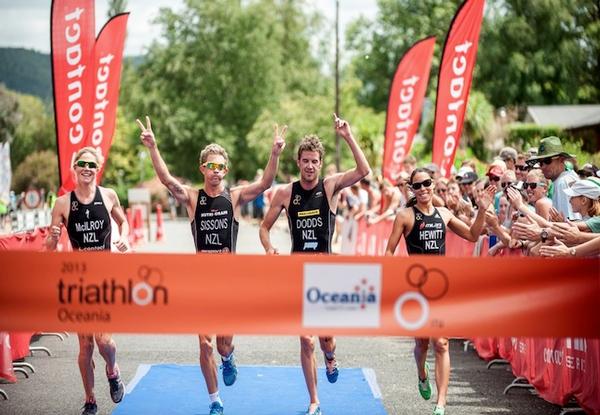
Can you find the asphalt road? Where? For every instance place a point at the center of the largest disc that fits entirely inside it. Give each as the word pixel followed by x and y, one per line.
pixel 56 386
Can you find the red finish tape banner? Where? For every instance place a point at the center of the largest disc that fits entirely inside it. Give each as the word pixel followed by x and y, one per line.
pixel 252 294
pixel 454 82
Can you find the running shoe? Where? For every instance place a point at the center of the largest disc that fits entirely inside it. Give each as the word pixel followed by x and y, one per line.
pixel 215 409
pixel 117 389
pixel 89 408
pixel 439 410
pixel 317 411
pixel 425 385
pixel 229 370
pixel 331 369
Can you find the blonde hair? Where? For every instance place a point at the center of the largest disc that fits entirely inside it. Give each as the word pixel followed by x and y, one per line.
pixel 539 176
pixel 213 149
pixel 91 150
pixel 594 209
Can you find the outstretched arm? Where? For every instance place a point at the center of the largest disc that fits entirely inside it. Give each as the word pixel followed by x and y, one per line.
pixel 472 233
pixel 178 190
pixel 362 168
pixel 250 191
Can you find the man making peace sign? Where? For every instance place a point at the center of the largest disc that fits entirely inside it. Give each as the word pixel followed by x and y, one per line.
pixel 213 212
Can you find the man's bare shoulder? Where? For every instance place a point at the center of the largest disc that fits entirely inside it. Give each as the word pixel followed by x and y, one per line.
pixel 282 192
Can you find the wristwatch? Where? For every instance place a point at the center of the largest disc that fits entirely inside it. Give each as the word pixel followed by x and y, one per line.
pixel 544 235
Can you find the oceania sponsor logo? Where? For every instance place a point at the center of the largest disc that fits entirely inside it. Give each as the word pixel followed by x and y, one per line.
pixel 82 301
pixel 342 295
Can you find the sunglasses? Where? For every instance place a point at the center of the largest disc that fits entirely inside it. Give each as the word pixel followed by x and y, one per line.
pixel 441 190
pixel 494 178
pixel 88 164
pixel 424 183
pixel 547 161
pixel 523 167
pixel 505 184
pixel 532 185
pixel 215 166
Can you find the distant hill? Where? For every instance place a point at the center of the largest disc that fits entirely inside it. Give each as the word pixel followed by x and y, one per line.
pixel 26 71
pixel 29 72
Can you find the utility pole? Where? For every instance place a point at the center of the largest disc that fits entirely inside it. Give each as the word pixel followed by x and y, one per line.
pixel 337 80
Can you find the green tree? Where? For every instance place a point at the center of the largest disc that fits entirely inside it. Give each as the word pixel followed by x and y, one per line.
pixel 39 170
pixel 218 67
pixel 379 45
pixel 115 7
pixel 541 52
pixel 35 131
pixel 9 114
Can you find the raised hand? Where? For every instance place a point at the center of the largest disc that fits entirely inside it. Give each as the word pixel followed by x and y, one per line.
pixel 556 216
pixel 514 196
pixel 491 219
pixel 566 233
pixel 486 197
pixel 278 140
pixel 342 127
pixel 147 136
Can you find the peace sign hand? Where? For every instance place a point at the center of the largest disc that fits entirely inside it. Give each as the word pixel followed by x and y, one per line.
pixel 147 136
pixel 278 140
pixel 342 127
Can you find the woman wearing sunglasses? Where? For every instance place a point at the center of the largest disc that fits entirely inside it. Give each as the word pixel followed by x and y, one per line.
pixel 536 186
pixel 424 228
pixel 86 212
pixel 213 211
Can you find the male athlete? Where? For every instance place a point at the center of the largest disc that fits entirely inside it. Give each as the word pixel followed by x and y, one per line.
pixel 311 205
pixel 213 212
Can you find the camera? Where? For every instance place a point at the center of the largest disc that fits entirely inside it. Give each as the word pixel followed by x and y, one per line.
pixel 518 185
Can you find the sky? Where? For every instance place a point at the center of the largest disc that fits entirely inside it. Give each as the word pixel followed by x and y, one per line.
pixel 26 23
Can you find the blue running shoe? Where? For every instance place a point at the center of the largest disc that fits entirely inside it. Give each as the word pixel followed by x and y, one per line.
pixel 317 411
pixel 331 369
pixel 216 409
pixel 229 370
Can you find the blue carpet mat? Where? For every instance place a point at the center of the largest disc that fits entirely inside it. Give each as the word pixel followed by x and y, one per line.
pixel 265 390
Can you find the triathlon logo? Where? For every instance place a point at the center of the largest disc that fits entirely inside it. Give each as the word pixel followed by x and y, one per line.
pixel 341 295
pixel 74 205
pixel 202 201
pixel 418 216
pixel 431 284
pixel 296 201
pixel 82 301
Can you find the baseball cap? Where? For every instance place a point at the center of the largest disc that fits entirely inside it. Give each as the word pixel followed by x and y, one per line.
pixel 468 178
pixel 589 188
pixel 508 153
pixel 588 169
pixel 462 171
pixel 495 170
pixel 432 167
